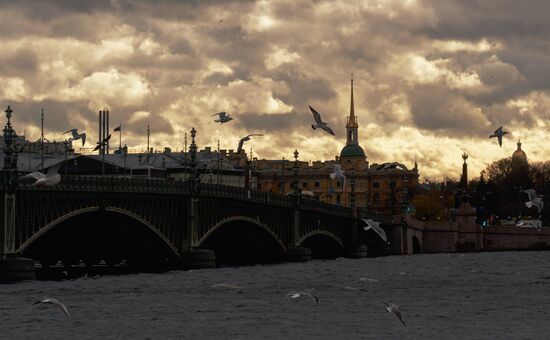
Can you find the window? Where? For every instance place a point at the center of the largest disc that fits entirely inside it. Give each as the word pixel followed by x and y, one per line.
pixel 375 184
pixel 317 184
pixel 304 184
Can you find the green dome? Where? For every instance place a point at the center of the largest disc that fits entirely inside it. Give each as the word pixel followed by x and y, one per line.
pixel 352 151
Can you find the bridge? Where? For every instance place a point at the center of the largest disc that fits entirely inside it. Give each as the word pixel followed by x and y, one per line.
pixel 152 223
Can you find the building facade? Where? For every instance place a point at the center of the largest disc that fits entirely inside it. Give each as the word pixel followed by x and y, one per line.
pixel 377 188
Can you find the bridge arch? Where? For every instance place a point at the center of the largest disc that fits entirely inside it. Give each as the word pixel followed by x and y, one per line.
pixel 72 214
pixel 129 219
pixel 323 244
pixel 242 219
pixel 416 245
pixel 244 240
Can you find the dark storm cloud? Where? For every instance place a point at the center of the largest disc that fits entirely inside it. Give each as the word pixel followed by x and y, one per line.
pixel 304 88
pixel 439 109
pixel 15 63
pixel 56 114
pixel 476 19
pixel 269 122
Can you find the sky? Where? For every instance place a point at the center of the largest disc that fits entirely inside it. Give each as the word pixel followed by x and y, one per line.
pixel 432 79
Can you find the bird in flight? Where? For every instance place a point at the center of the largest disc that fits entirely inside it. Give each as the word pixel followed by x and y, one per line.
pixel 55 302
pixel 219 22
pixel 534 200
pixel 296 295
pixel 244 139
pixel 37 178
pixel 392 307
pixel 76 135
pixel 499 133
pixel 319 122
pixel 338 174
pixel 103 143
pixel 222 117
pixel 376 227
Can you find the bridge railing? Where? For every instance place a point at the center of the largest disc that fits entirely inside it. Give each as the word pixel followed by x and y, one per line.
pixel 313 205
pixel 223 191
pixel 162 186
pixel 115 184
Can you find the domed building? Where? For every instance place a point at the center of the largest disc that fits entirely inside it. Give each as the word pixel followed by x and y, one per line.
pixel 519 154
pixel 378 188
pixel 519 161
pixel 352 154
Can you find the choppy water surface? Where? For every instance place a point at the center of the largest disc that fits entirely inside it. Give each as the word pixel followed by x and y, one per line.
pixel 466 296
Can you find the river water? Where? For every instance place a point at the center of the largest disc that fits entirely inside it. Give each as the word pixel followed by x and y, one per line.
pixel 503 295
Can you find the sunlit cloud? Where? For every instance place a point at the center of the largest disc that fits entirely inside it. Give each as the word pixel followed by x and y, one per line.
pixel 432 78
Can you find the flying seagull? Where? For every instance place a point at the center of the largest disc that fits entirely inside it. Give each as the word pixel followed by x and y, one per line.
pixel 244 139
pixel 77 135
pixel 102 143
pixel 219 22
pixel 37 178
pixel 222 117
pixel 338 174
pixel 55 302
pixel 534 200
pixel 319 122
pixel 392 307
pixel 296 295
pixel 376 227
pixel 499 133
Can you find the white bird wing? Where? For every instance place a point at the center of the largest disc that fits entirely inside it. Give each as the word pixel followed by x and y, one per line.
pixel 32 177
pixel 62 306
pixel 327 129
pixel 54 169
pixel 313 297
pixel 532 194
pixel 316 116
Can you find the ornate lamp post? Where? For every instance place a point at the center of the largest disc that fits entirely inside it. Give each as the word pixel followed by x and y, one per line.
pixel 295 187
pixel 352 189
pixel 10 154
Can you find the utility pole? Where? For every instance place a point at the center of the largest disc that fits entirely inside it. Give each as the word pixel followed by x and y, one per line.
pixel 219 163
pixel 147 155
pixel 42 141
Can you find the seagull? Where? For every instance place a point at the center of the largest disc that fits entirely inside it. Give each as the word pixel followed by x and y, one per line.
pixel 223 117
pixel 244 139
pixel 55 302
pixel 102 143
pixel 77 135
pixel 499 133
pixel 319 122
pixel 37 178
pixel 376 227
pixel 338 174
pixel 534 200
pixel 392 307
pixel 296 295
pixel 219 22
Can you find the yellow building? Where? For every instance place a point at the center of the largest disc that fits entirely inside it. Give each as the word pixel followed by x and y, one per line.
pixel 379 188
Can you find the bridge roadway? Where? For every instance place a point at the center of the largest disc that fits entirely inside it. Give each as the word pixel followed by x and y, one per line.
pixel 162 223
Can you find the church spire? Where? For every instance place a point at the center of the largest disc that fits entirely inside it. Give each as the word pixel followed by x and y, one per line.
pixel 352 122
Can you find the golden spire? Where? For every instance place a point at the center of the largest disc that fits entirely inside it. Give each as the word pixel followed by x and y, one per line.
pixel 352 107
pixel 352 122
